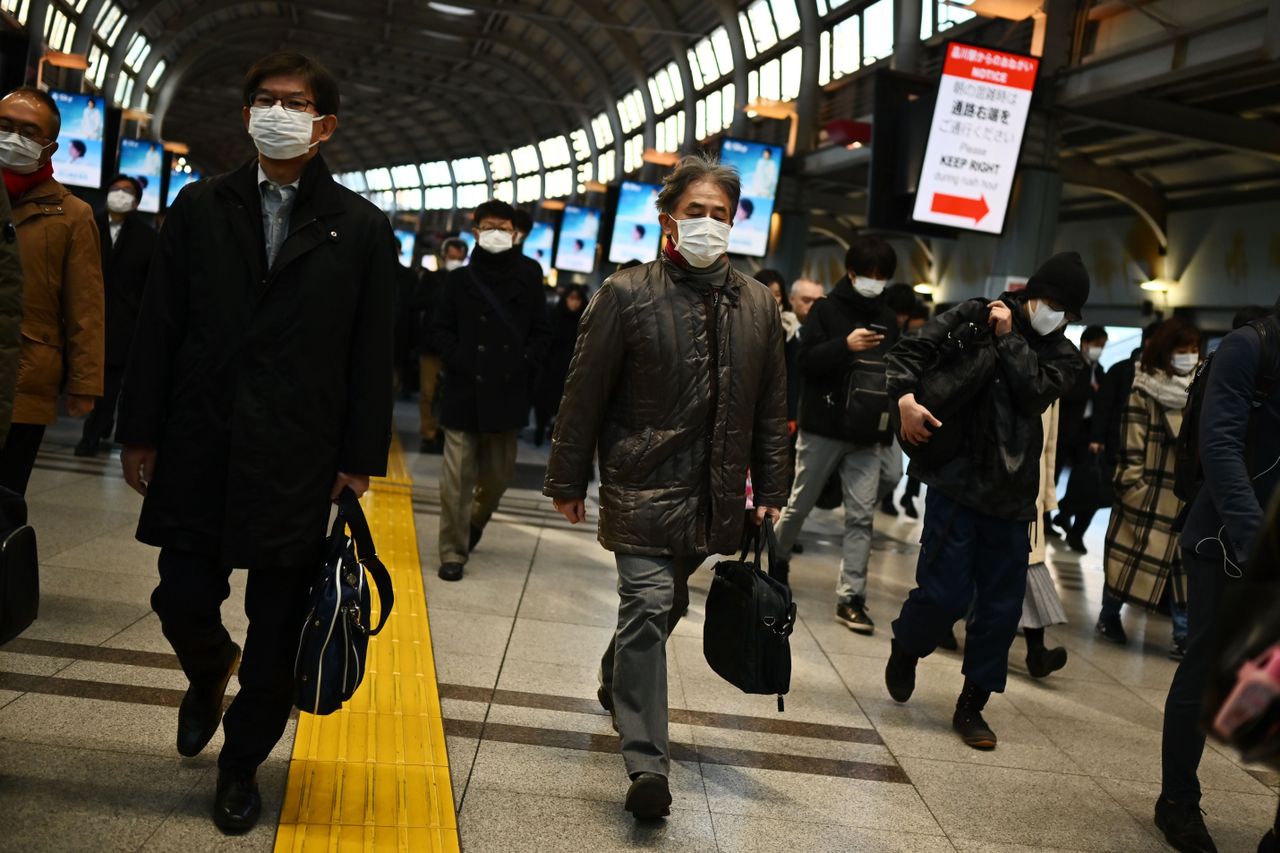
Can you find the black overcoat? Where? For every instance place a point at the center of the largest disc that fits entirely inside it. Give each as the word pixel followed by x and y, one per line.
pixel 124 275
pixel 259 385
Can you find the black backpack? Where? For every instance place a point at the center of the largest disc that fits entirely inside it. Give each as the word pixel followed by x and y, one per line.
pixel 1188 471
pixel 750 617
pixel 19 567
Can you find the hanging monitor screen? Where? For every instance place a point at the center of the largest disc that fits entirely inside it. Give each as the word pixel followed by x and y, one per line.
pixel 142 159
pixel 78 160
pixel 405 240
pixel 539 243
pixel 579 233
pixel 635 224
pixel 759 166
pixel 979 120
pixel 178 179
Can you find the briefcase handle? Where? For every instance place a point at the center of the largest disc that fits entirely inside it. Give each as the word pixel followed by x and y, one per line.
pixel 351 517
pixel 759 537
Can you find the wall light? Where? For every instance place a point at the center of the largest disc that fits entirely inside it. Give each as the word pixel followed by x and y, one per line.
pixel 924 289
pixel 1156 285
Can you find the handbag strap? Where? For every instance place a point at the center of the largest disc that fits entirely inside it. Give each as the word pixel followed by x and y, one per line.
pixel 351 515
pixel 496 305
pixel 759 537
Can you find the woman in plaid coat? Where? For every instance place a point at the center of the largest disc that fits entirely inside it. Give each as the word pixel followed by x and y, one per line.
pixel 1142 557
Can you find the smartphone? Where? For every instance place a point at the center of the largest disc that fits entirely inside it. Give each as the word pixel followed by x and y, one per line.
pixel 878 329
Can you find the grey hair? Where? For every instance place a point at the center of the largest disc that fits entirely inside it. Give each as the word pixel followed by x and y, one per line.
pixel 699 167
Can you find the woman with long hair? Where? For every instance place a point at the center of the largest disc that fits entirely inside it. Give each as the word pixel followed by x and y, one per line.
pixel 1143 563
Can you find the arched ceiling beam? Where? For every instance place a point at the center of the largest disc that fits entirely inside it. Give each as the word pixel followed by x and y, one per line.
pixel 84 27
pixel 662 15
pixel 729 19
pixel 810 70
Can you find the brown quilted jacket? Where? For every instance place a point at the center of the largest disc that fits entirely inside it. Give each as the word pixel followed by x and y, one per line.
pixel 676 429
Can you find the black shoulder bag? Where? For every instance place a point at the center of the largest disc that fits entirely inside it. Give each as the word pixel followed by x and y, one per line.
pixel 335 636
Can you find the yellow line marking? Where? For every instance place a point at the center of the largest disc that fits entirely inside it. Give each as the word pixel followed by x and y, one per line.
pixel 375 775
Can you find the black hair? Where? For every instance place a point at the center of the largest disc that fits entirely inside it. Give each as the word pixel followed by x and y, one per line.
pixel 869 255
pixel 641 231
pixel 495 209
pixel 769 277
pixel 1092 333
pixel 323 85
pixel 698 167
pixel 46 100
pixel 133 182
pixel 1248 314
pixel 79 146
pixel 748 205
pixel 919 311
pixel 579 244
pixel 455 243
pixel 1177 332
pixel 901 298
pixel 522 221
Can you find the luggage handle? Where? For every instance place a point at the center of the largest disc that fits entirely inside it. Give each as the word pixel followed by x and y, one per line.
pixel 351 517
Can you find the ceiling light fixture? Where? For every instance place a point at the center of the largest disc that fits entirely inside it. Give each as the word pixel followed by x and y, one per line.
pixel 924 288
pixel 1156 285
pixel 449 9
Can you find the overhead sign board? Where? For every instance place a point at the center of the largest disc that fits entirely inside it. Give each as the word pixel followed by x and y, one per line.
pixel 975 139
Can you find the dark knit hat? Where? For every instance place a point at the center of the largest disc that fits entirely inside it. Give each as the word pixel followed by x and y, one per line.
pixel 1063 279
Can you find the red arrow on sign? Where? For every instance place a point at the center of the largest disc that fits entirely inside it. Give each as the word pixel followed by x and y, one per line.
pixel 958 205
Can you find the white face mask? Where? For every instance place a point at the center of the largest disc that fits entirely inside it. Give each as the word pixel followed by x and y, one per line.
pixel 281 134
pixel 1093 354
pixel 496 242
pixel 19 154
pixel 701 241
pixel 1045 320
pixel 869 287
pixel 120 201
pixel 453 264
pixel 1185 362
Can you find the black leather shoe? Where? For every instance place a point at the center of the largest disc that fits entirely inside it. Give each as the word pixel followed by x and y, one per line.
pixel 900 673
pixel 86 448
pixel 1111 628
pixel 909 507
pixel 649 797
pixel 887 507
pixel 1183 827
pixel 451 572
pixel 606 701
pixel 1042 662
pixel 967 720
pixel 476 533
pixel 201 711
pixel 853 615
pixel 1076 543
pixel 237 804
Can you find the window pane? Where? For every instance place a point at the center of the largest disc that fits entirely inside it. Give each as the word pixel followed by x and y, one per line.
pixel 608 166
pixel 526 159
pixel 560 183
pixel 438 198
pixel 405 177
pixel 714 111
pixel 156 74
pixel 762 24
pixel 787 18
pixel 728 106
pixel 953 13
pixel 771 80
pixel 499 167
pixel 472 195
pixel 926 18
pixel 528 188
pixel 677 85
pixel 136 45
pixel 877 29
pixel 581 145
pixel 724 51
pixel 707 61
pixel 753 85
pixel 695 71
pixel 845 56
pixel 822 7
pixel 378 179
pixel 108 19
pixel 408 199
pixel 470 170
pixel 505 191
pixel 700 119
pixel 436 174
pixel 748 40
pixel 791 63
pixel 555 151
pixel 604 133
pixel 666 94
pixel 824 61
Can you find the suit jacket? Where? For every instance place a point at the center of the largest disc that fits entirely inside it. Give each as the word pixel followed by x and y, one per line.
pixel 124 275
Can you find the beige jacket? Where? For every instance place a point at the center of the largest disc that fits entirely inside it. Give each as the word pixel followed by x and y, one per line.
pixel 1048 499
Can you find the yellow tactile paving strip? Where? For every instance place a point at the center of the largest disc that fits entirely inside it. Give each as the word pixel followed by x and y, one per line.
pixel 375 775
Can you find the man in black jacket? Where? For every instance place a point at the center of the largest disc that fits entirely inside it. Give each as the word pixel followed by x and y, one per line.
pixel 982 500
pixel 453 255
pixel 1075 446
pixel 491 331
pixel 259 387
pixel 846 337
pixel 127 245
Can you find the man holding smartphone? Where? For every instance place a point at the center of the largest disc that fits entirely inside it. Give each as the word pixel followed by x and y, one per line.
pixel 844 416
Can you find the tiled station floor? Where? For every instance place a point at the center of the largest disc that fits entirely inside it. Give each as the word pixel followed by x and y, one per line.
pixel 88 707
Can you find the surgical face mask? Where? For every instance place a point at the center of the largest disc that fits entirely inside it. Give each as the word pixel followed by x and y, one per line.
pixel 19 154
pixel 1093 354
pixel 120 201
pixel 281 134
pixel 701 241
pixel 453 264
pixel 495 241
pixel 1045 320
pixel 1185 362
pixel 869 287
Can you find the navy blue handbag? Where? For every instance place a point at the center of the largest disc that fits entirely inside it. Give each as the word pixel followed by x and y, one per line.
pixel 335 636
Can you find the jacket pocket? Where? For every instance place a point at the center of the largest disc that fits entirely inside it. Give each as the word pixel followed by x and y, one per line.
pixel 626 457
pixel 40 370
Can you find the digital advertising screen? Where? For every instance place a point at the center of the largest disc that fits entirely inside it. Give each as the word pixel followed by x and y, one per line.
pixel 406 240
pixel 470 239
pixel 579 234
pixel 143 159
pixel 636 234
pixel 759 166
pixel 539 244
pixel 178 179
pixel 78 160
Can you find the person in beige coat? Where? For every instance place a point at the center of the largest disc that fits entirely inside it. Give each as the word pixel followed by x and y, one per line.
pixel 63 313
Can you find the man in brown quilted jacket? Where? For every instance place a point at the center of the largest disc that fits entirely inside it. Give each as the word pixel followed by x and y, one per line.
pixel 679 378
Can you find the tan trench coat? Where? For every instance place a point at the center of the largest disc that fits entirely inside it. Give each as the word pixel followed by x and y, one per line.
pixel 63 302
pixel 1142 548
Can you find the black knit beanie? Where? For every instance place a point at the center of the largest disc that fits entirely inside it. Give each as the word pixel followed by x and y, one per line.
pixel 1063 279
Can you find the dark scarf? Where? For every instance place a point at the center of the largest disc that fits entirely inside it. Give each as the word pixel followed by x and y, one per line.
pixel 19 185
pixel 679 269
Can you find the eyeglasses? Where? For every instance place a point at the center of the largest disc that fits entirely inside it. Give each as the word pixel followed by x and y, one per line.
pixel 293 103
pixel 496 228
pixel 26 131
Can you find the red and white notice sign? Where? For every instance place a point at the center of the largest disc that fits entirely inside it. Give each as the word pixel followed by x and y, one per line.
pixel 983 103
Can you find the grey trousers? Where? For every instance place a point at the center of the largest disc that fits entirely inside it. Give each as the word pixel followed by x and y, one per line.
pixel 654 593
pixel 817 457
pixel 478 467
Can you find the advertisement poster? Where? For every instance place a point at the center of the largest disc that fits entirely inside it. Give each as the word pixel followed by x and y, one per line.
pixel 636 234
pixel 178 179
pixel 579 234
pixel 406 240
pixel 760 167
pixel 143 159
pixel 538 245
pixel 975 139
pixel 78 160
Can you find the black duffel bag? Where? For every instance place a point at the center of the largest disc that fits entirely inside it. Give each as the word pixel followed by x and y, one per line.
pixel 335 636
pixel 19 567
pixel 750 617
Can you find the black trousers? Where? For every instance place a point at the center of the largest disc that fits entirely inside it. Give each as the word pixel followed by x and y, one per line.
pixel 1183 742
pixel 188 601
pixel 19 456
pixel 913 488
pixel 102 420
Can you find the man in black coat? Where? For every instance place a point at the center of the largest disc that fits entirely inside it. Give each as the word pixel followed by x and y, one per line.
pixel 491 331
pixel 127 245
pixel 982 498
pixel 1076 448
pixel 259 387
pixel 453 255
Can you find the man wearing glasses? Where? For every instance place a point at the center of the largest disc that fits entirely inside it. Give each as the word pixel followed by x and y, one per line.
pixel 491 331
pixel 259 386
pixel 63 313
